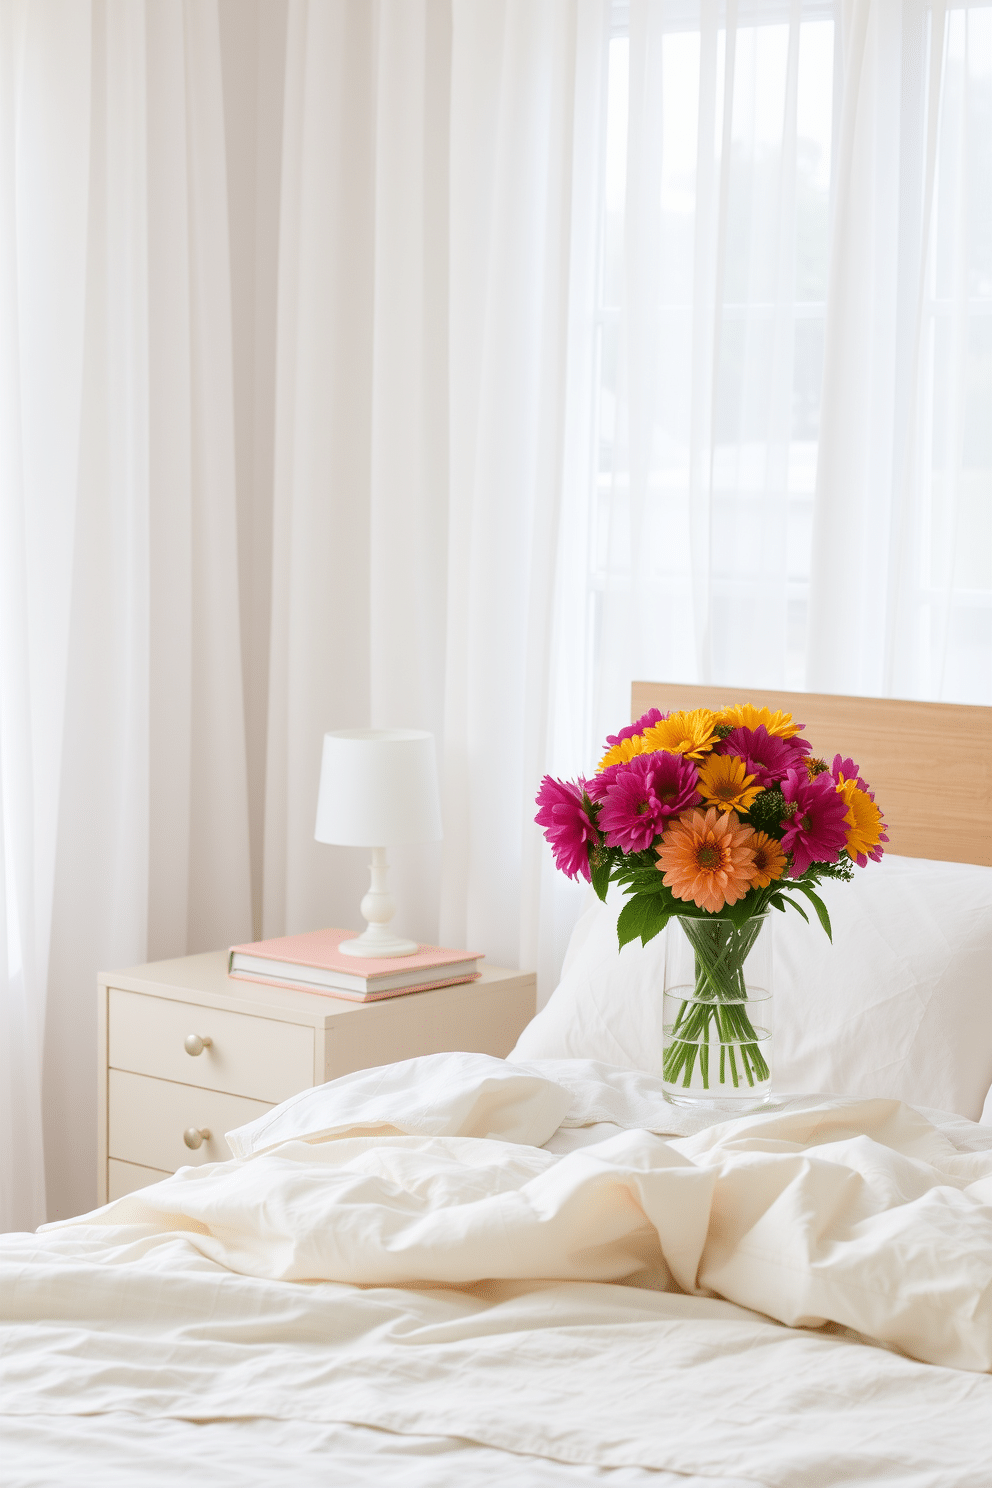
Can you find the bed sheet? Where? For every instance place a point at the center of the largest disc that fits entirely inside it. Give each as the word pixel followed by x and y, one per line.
pixel 597 1349
pixel 122 1451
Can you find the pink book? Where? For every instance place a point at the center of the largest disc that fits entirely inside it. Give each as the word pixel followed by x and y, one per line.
pixel 312 963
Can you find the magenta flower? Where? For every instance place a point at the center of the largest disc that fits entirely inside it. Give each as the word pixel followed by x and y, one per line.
pixel 815 827
pixel 850 771
pixel 643 796
pixel 766 756
pixel 653 715
pixel 597 787
pixel 567 824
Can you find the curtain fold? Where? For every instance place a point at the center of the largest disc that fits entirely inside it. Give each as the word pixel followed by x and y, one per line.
pixel 100 902
pixel 518 193
pixel 422 388
pixel 125 819
pixel 360 497
pixel 710 315
pixel 901 575
pixel 44 161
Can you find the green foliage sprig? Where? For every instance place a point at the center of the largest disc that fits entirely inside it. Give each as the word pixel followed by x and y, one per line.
pixel 651 904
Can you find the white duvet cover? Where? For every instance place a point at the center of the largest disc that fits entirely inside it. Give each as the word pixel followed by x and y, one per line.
pixel 800 1297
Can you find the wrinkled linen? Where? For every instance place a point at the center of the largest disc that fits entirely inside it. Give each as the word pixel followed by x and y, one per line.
pixel 858 1213
pixel 122 1451
pixel 476 1095
pixel 610 1306
pixel 465 1095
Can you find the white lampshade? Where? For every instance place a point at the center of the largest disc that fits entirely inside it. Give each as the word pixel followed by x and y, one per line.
pixel 378 788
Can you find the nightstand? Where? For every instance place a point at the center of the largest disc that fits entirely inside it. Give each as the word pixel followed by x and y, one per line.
pixel 187 1053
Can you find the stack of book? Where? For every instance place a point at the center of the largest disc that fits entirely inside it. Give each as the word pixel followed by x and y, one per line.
pixel 313 963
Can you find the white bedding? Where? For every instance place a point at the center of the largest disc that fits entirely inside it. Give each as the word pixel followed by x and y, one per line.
pixel 645 1305
pixel 122 1451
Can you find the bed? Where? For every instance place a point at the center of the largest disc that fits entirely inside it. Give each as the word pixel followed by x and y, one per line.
pixel 462 1270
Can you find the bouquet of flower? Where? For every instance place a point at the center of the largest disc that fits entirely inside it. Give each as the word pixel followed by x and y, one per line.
pixel 705 814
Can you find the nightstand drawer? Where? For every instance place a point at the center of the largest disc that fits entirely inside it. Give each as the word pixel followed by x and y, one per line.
pixel 124 1178
pixel 147 1120
pixel 257 1057
pixel 267 1044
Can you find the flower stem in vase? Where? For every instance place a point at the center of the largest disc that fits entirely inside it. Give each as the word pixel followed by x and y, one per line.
pixel 718 1037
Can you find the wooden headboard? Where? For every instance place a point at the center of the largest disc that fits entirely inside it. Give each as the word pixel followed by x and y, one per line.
pixel 929 764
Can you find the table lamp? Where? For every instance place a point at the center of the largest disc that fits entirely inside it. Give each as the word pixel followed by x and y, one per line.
pixel 378 789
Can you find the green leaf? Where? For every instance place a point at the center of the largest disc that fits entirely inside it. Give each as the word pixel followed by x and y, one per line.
pixel 657 917
pixel 631 920
pixel 644 916
pixel 640 879
pixel 599 869
pixel 745 909
pixel 818 905
pixel 793 905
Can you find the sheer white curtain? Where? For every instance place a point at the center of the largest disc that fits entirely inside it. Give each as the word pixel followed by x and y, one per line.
pixel 901 591
pixel 711 313
pixel 793 470
pixel 359 535
pixel 270 478
pixel 151 854
pixel 430 184
pixel 527 94
pixel 125 825
pixel 44 162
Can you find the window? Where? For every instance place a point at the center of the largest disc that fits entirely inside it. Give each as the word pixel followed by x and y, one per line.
pixel 718 197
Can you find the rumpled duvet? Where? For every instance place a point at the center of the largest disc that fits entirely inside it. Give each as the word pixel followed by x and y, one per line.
pixel 798 1296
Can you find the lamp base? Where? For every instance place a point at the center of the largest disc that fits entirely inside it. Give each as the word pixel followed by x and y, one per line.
pixel 377 946
pixel 377 940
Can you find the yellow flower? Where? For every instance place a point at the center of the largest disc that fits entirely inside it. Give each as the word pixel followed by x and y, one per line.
pixel 745 715
pixel 724 784
pixel 624 752
pixel 689 733
pixel 769 860
pixel 865 827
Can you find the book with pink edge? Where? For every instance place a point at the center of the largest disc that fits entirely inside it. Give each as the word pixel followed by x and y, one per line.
pixel 312 962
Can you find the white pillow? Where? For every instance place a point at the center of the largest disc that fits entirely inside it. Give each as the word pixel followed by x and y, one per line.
pixel 900 1004
pixel 607 1005
pixel 437 1095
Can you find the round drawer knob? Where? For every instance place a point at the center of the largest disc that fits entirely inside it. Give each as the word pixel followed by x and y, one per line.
pixel 195 1137
pixel 194 1043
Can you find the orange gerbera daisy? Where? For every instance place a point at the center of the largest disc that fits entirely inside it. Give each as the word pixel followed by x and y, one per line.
pixel 865 827
pixel 769 860
pixel 689 733
pixel 745 715
pixel 725 784
pixel 707 859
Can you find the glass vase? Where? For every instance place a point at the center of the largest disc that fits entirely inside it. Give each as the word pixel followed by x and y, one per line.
pixel 718 1012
